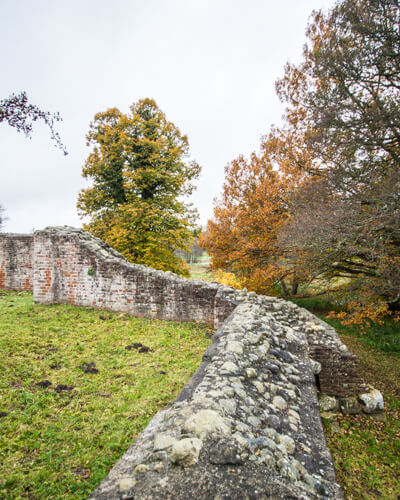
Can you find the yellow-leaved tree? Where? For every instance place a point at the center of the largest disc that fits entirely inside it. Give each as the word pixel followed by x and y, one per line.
pixel 140 170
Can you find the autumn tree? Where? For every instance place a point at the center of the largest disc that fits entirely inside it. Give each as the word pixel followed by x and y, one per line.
pixel 242 237
pixel 344 98
pixel 337 156
pixel 140 171
pixel 19 113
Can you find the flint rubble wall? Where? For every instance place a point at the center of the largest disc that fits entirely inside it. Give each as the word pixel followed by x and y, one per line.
pixel 246 426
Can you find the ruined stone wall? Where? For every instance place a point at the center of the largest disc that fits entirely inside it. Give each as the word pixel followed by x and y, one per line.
pixel 73 267
pixel 336 368
pixel 246 426
pixel 66 265
pixel 16 252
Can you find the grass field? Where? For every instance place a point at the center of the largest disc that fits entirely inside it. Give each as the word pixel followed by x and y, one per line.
pixel 77 386
pixel 366 450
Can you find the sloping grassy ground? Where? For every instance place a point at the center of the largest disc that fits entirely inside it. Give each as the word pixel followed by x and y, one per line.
pixel 77 386
pixel 366 450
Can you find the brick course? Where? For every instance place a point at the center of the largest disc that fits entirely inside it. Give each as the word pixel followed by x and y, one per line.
pixel 16 251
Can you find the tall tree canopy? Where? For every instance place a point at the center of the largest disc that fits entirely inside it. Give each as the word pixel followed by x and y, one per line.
pixel 345 98
pixel 140 171
pixel 338 155
pixel 243 237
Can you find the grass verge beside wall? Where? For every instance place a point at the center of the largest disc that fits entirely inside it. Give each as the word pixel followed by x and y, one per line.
pixel 77 386
pixel 366 450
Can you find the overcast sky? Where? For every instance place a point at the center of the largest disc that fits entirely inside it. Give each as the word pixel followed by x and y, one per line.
pixel 209 64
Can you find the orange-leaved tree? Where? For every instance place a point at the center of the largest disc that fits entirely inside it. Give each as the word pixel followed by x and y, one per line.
pixel 243 236
pixel 345 97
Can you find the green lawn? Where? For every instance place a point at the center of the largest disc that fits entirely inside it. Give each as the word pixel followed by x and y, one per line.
pixel 77 386
pixel 366 450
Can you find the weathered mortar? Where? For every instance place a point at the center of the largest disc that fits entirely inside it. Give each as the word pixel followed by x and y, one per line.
pixel 257 379
pixel 339 374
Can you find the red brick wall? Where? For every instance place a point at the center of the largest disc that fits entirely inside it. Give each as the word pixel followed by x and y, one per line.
pixel 16 251
pixel 74 268
pixel 339 375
